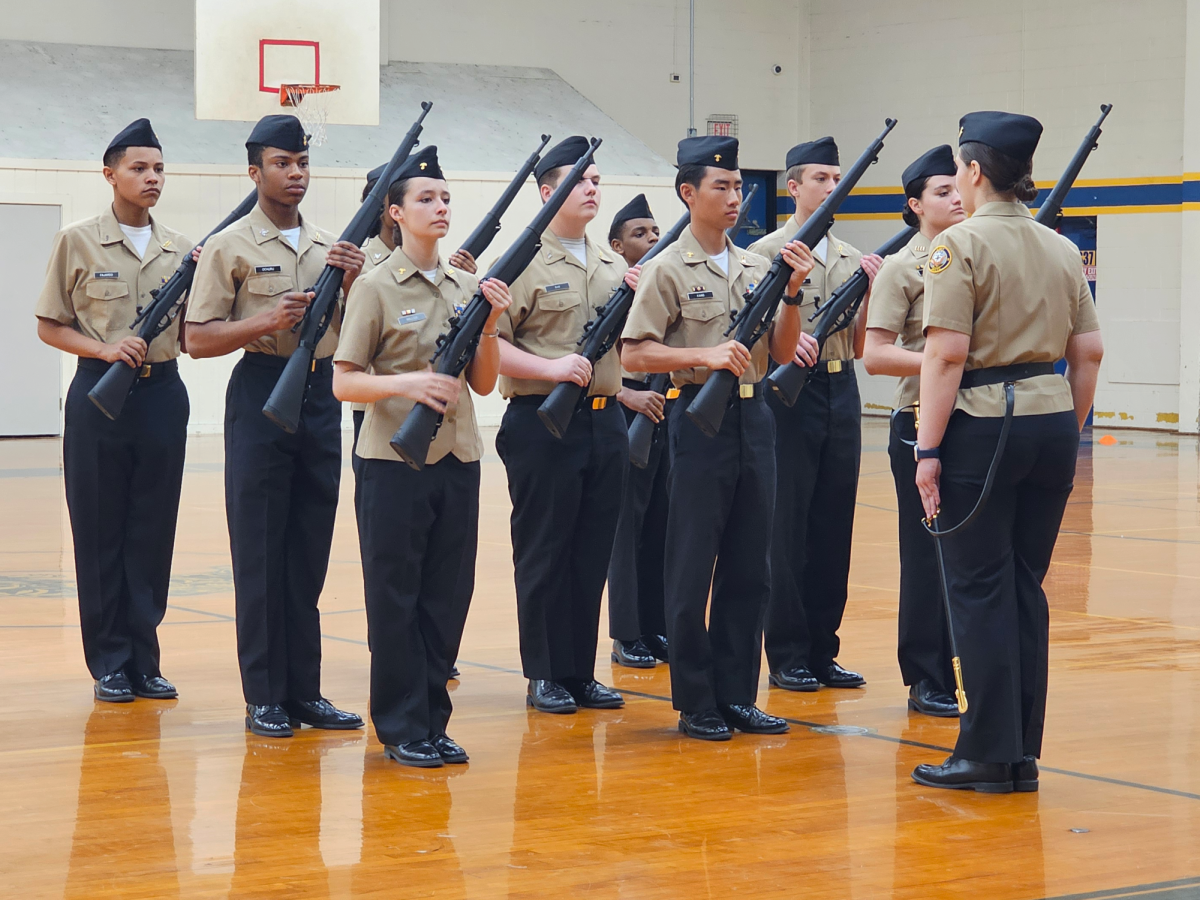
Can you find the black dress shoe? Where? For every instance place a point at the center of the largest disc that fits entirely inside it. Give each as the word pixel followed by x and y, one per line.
pixel 1025 775
pixel 797 679
pixel 152 687
pixel 449 751
pixel 268 721
pixel 421 754
pixel 593 695
pixel 752 720
pixel 706 725
pixel 965 775
pixel 835 676
pixel 320 713
pixel 657 645
pixel 453 676
pixel 548 697
pixel 926 697
pixel 114 688
pixel 633 654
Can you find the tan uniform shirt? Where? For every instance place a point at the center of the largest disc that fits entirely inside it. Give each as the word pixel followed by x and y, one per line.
pixel 841 261
pixel 96 283
pixel 897 304
pixel 551 302
pixel 1018 289
pixel 685 300
pixel 376 252
pixel 246 268
pixel 393 320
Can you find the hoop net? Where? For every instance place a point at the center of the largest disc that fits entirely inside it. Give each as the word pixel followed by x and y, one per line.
pixel 311 105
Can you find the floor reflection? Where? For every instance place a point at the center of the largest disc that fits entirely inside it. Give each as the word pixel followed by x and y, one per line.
pixel 124 843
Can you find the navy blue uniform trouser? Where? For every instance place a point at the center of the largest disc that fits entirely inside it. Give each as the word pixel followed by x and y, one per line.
pixel 635 573
pixel 418 534
pixel 566 498
pixel 995 569
pixel 721 499
pixel 281 494
pixel 818 447
pixel 923 648
pixel 123 480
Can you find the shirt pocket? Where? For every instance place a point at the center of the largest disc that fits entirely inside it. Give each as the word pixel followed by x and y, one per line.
pixel 101 311
pixel 702 322
pixel 263 289
pixel 558 324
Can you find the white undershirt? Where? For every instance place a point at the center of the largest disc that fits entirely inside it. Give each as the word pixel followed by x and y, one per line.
pixel 431 275
pixel 821 249
pixel 292 236
pixel 139 237
pixel 576 246
pixel 722 260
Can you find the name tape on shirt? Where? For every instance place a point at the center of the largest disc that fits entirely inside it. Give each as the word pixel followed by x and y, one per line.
pixel 107 275
pixel 267 270
pixel 409 316
pixel 939 259
pixel 700 295
pixel 554 288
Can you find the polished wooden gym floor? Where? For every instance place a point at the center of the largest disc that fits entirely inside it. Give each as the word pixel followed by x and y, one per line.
pixel 173 799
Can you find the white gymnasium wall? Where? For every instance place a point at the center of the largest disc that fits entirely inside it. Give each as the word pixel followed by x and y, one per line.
pixel 197 197
pixel 927 62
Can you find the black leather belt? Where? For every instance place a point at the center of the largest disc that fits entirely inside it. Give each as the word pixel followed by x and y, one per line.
pixel 271 361
pixel 149 370
pixel 593 403
pixel 743 392
pixel 834 366
pixel 1001 374
pixel 635 384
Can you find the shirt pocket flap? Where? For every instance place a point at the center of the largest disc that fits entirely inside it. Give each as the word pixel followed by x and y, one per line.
pixel 106 290
pixel 701 310
pixel 268 285
pixel 560 301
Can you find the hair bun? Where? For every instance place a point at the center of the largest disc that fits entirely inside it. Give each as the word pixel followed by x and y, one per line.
pixel 1025 189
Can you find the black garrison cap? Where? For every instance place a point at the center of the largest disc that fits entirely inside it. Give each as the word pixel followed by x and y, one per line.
pixel 710 150
pixel 821 152
pixel 938 161
pixel 1010 133
pixel 282 131
pixel 137 133
pixel 565 153
pixel 422 164
pixel 637 208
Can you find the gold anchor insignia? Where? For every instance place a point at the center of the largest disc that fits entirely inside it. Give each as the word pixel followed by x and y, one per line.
pixel 717 157
pixel 690 254
pixel 401 271
pixel 423 165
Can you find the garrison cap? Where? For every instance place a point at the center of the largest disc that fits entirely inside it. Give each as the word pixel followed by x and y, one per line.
pixel 282 131
pixel 938 161
pixel 821 152
pixel 637 208
pixel 565 153
pixel 709 150
pixel 137 133
pixel 1010 133
pixel 422 164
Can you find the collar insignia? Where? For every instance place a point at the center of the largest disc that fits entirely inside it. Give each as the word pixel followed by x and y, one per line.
pixel 377 255
pixel 264 231
pixel 423 166
pixel 401 271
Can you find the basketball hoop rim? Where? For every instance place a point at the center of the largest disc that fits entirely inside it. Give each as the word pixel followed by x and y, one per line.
pixel 288 92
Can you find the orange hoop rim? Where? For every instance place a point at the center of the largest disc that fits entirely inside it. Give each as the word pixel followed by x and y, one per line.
pixel 287 92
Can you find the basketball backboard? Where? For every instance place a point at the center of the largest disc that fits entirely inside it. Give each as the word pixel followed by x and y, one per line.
pixel 245 49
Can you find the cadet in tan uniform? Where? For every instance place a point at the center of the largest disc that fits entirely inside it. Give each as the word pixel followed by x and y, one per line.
pixel 566 494
pixel 1005 298
pixel 281 490
pixel 122 478
pixel 721 489
pixel 635 573
pixel 418 531
pixel 818 443
pixel 932 204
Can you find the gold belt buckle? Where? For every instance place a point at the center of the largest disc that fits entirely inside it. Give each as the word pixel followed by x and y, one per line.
pixel 146 370
pixel 599 402
pixel 833 366
pixel 314 365
pixel 746 391
pixel 673 393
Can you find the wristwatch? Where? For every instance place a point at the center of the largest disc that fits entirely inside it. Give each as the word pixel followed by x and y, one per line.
pixel 932 453
pixel 794 301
